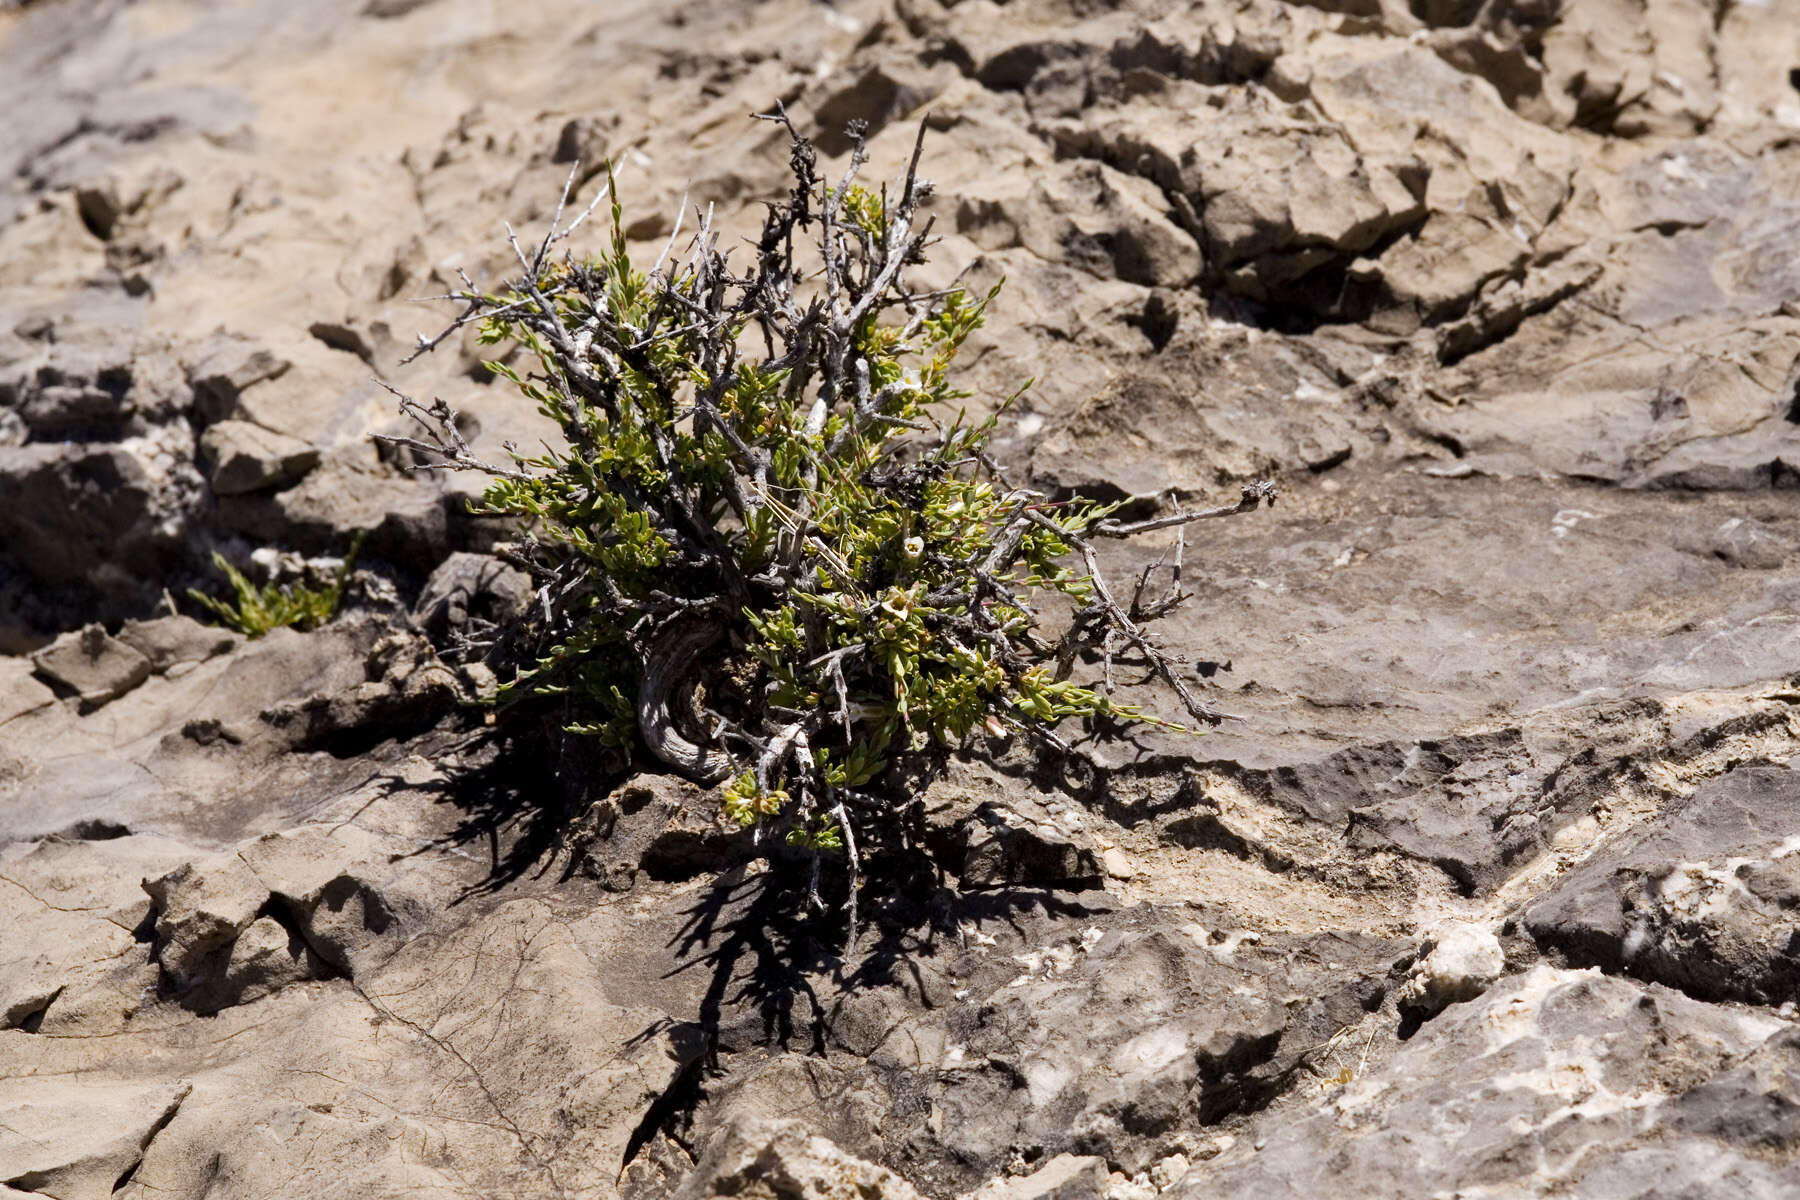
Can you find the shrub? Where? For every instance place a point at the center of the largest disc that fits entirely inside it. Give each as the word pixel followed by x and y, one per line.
pixel 255 609
pixel 772 549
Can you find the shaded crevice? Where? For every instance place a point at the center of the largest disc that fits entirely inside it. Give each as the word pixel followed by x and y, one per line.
pixel 285 912
pixel 91 829
pixel 671 1114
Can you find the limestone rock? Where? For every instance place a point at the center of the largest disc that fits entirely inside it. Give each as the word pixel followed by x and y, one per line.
pixel 781 1160
pixel 405 521
pixel 1065 1177
pixel 468 593
pixel 97 668
pixel 1005 846
pixel 1701 899
pixel 223 367
pixel 1502 292
pixel 1528 1085
pixel 200 909
pixel 1095 219
pixel 72 513
pixel 1459 965
pixel 249 458
pixel 176 641
pixel 76 1140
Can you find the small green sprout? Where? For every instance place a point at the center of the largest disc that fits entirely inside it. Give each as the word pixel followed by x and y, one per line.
pixel 254 610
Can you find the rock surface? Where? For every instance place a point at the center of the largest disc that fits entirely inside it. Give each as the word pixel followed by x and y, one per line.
pixel 1487 886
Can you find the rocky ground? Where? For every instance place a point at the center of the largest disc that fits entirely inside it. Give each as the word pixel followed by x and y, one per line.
pixel 1490 886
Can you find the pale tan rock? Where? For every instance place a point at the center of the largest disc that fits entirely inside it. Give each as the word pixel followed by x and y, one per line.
pixel 75 1139
pixel 20 691
pixel 222 368
pixel 249 458
pixel 1065 1177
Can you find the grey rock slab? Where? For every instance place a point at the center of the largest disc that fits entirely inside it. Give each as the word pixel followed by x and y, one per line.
pixel 187 755
pixel 1701 899
pixel 97 668
pixel 248 458
pixel 1102 1034
pixel 177 641
pixel 1554 1081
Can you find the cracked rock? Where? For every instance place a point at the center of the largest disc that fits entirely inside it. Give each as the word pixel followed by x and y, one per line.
pixel 222 368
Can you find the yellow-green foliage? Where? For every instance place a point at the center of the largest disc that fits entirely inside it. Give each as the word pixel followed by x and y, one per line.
pixel 253 609
pixel 776 455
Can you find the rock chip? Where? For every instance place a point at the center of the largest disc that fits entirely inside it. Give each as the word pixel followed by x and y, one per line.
pixel 20 691
pixel 264 958
pixel 1458 966
pixel 200 909
pixel 222 367
pixel 244 457
pixel 97 668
